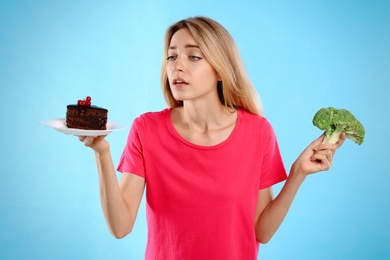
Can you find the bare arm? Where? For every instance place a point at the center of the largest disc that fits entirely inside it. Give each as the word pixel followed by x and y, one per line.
pixel 271 212
pixel 120 202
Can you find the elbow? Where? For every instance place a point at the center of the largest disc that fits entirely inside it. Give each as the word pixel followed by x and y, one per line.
pixel 262 240
pixel 119 228
pixel 120 233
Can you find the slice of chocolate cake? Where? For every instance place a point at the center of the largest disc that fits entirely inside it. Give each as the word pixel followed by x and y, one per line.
pixel 86 116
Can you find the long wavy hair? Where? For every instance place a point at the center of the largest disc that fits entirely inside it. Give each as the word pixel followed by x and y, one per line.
pixel 235 88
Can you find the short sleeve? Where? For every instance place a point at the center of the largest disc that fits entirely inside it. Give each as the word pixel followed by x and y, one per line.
pixel 132 159
pixel 272 168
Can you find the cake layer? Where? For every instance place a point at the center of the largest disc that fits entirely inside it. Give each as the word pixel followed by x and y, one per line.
pixel 86 117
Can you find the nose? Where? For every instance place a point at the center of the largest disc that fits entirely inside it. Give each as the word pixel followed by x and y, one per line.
pixel 178 64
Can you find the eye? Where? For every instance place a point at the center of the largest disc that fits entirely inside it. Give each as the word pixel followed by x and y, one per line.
pixel 171 58
pixel 195 58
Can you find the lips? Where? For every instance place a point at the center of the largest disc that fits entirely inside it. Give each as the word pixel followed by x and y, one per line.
pixel 179 82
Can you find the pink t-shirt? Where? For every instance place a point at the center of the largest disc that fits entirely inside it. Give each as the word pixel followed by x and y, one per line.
pixel 201 200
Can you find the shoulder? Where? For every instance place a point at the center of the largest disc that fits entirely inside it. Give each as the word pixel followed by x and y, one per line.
pixel 254 120
pixel 152 117
pixel 151 123
pixel 255 126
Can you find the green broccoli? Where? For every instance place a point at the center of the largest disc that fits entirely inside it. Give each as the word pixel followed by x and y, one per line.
pixel 335 121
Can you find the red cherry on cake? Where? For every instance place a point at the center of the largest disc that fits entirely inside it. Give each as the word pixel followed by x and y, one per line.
pixel 84 103
pixel 88 101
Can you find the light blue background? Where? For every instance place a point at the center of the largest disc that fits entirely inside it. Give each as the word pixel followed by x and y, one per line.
pixel 301 55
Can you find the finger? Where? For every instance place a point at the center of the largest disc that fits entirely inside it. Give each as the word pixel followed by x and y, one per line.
pixel 323 147
pixel 329 153
pixel 318 141
pixel 325 165
pixel 322 160
pixel 89 140
pixel 100 137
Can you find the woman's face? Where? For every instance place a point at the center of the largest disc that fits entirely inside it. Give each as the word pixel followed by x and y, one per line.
pixel 190 75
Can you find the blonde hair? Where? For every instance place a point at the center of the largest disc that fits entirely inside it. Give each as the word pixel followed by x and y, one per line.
pixel 235 88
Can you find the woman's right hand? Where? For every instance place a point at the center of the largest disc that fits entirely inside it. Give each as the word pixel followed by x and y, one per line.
pixel 98 143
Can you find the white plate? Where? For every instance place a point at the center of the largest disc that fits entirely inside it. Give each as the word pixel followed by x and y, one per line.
pixel 59 124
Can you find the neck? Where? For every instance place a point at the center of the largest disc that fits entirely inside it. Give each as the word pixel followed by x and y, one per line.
pixel 205 116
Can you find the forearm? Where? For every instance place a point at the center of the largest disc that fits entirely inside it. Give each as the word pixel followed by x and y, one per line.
pixel 114 207
pixel 316 157
pixel 274 213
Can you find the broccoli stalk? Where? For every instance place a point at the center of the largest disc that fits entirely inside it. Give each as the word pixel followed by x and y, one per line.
pixel 335 121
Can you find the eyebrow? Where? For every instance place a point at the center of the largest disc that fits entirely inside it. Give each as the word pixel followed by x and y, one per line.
pixel 186 46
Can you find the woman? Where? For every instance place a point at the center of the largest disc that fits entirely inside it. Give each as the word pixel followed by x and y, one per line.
pixel 208 162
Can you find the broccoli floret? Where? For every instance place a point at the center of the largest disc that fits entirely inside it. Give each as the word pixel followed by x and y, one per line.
pixel 335 121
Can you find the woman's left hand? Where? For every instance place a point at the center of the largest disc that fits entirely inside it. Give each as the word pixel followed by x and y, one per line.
pixel 317 156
